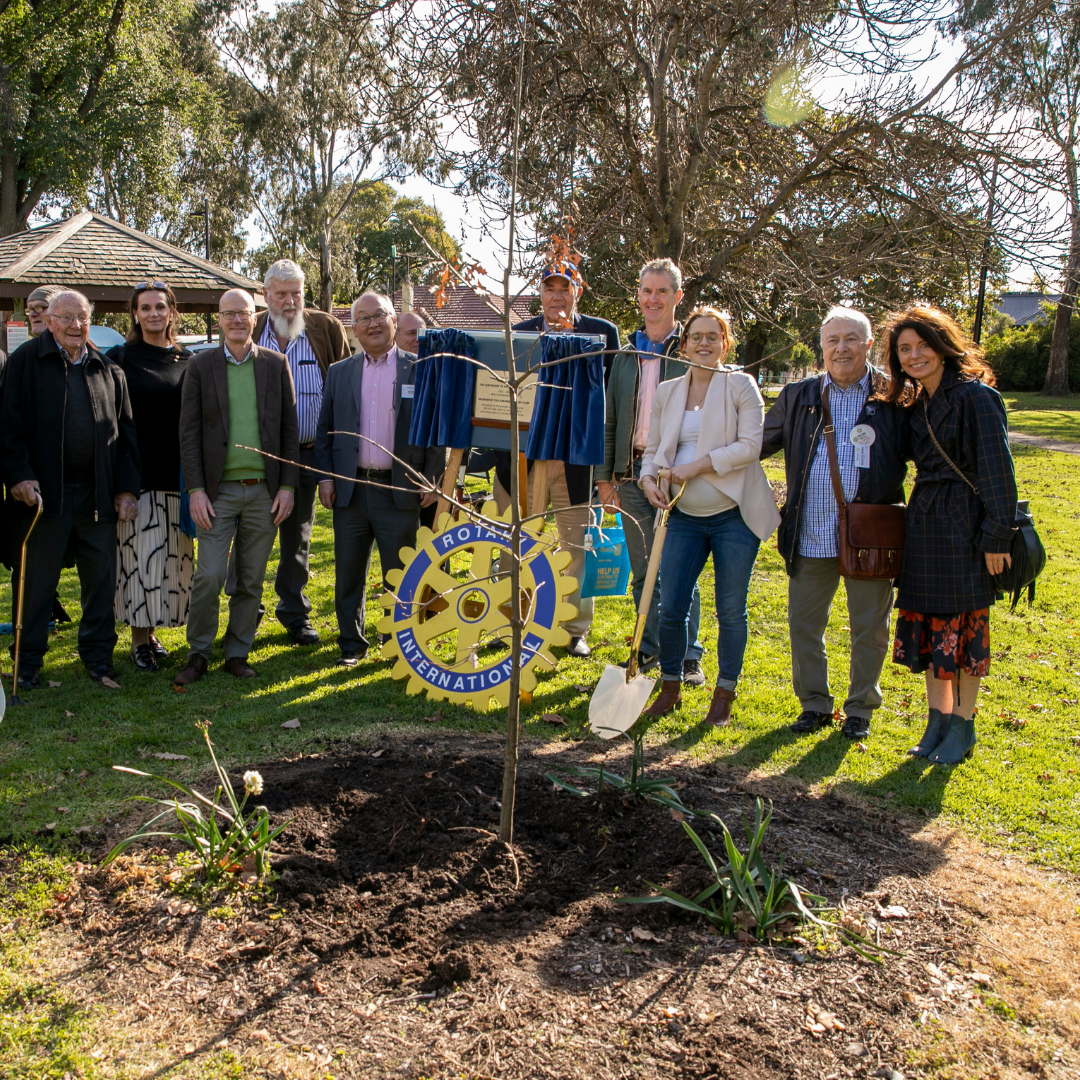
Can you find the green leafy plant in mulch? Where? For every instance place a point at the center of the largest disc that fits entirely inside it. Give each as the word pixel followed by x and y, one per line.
pixel 747 899
pixel 222 837
pixel 659 791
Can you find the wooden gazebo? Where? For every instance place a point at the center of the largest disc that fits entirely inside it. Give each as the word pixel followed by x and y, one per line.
pixel 105 260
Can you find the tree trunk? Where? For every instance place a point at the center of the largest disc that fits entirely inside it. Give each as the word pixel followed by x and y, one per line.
pixel 326 273
pixel 1057 372
pixel 757 338
pixel 9 194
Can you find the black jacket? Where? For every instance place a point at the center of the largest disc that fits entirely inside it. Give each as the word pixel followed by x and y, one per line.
pixel 32 425
pixel 949 528
pixel 794 424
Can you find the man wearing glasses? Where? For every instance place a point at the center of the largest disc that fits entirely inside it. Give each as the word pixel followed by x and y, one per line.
pixel 238 400
pixel 364 434
pixel 67 439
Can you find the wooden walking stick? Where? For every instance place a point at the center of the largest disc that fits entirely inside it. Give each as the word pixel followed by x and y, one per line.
pixel 15 699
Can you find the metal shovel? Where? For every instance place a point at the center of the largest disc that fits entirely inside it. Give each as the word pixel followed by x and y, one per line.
pixel 621 693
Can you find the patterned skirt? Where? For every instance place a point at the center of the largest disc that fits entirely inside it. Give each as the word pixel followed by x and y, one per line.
pixel 944 644
pixel 155 564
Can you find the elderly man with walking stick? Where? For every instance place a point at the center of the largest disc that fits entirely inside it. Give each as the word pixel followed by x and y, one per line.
pixel 67 438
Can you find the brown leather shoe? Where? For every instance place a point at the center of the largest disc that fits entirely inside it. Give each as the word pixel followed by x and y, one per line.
pixel 719 714
pixel 192 671
pixel 237 667
pixel 670 697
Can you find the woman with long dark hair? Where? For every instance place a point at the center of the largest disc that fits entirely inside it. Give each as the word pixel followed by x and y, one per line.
pixel 155 552
pixel 960 519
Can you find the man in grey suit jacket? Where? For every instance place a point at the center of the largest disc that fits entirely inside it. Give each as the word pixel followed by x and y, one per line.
pixel 363 442
pixel 238 400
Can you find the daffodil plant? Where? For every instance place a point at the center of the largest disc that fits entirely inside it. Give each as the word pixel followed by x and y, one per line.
pixel 222 837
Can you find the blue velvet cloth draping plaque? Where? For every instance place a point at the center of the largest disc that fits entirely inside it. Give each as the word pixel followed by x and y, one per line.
pixel 444 386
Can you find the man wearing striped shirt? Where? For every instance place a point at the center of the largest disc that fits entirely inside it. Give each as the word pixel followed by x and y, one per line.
pixel 871 448
pixel 311 342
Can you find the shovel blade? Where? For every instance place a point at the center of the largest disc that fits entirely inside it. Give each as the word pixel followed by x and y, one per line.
pixel 616 704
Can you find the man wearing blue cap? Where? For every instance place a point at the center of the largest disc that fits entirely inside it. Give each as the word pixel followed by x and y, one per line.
pixel 560 288
pixel 569 486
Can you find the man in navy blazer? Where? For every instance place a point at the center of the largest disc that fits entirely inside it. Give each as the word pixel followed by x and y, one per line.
pixel 361 450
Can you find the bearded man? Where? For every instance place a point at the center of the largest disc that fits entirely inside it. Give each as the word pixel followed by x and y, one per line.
pixel 311 341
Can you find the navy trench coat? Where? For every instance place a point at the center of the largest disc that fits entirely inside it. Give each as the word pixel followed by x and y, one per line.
pixel 949 527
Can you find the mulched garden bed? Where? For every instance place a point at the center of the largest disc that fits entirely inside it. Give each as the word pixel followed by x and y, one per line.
pixel 404 939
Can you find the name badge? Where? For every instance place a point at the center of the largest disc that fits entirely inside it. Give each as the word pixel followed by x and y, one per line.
pixel 408 389
pixel 862 437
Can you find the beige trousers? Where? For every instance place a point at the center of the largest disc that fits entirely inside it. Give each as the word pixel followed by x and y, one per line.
pixel 571 523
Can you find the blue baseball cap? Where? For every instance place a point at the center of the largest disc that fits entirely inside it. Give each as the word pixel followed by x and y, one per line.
pixel 564 270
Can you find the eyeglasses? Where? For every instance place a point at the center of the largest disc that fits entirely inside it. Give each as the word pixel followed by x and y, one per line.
pixel 235 316
pixel 37 309
pixel 67 320
pixel 143 285
pixel 712 337
pixel 367 320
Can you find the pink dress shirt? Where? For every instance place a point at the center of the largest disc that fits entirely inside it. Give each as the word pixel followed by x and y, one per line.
pixel 377 410
pixel 647 384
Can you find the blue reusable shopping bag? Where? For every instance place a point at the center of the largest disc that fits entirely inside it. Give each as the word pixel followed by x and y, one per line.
pixel 607 562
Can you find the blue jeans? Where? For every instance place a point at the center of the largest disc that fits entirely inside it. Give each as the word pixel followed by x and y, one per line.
pixel 638 515
pixel 690 541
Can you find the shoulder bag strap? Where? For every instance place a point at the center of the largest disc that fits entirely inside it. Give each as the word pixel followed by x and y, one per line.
pixel 941 450
pixel 829 433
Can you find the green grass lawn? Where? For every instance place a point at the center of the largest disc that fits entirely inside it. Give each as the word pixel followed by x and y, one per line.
pixel 1034 414
pixel 1021 788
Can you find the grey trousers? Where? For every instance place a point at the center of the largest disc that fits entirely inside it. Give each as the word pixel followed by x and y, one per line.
pixel 811 588
pixel 372 517
pixel 294 534
pixel 639 516
pixel 243 510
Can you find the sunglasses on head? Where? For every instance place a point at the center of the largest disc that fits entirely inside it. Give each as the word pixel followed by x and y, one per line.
pixel 144 285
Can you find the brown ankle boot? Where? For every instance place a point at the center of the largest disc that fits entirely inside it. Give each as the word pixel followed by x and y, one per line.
pixel 670 697
pixel 720 710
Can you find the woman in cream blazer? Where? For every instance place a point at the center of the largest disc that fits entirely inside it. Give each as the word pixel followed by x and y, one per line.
pixel 706 428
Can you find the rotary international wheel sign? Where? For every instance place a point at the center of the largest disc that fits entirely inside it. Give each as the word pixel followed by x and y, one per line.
pixel 450 601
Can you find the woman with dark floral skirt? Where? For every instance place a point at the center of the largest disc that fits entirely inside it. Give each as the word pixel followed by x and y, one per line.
pixel 960 520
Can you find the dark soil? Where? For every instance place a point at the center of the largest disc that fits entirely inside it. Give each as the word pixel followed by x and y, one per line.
pixel 405 939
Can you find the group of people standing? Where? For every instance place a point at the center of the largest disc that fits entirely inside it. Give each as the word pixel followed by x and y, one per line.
pixel 135 454
pixel 674 408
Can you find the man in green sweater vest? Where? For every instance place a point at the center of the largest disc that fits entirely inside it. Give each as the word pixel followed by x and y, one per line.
pixel 238 400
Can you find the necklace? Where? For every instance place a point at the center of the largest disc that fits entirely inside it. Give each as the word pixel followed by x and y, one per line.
pixel 701 398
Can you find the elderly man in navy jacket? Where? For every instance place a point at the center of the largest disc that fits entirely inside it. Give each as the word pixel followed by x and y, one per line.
pixel 808 536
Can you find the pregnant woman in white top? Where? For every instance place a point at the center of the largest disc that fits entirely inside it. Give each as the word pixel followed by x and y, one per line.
pixel 706 427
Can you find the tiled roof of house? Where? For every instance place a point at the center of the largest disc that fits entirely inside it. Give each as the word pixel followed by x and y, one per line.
pixel 105 259
pixel 1024 307
pixel 464 308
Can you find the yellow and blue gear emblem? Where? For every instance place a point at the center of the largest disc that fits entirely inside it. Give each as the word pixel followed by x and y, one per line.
pixel 450 601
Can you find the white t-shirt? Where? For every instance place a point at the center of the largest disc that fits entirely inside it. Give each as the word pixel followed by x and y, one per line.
pixel 701 499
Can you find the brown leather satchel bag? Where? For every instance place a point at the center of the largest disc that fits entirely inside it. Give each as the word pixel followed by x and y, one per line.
pixel 871 543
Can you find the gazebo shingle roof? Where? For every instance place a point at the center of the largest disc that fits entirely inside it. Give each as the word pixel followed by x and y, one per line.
pixel 105 260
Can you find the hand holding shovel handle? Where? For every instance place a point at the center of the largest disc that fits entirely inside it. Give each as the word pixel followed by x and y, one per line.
pixel 659 532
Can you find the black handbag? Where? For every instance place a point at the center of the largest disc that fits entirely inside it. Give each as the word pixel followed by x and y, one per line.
pixel 1025 549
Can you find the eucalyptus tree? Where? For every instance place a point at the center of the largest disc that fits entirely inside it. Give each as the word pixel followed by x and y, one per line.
pixel 85 85
pixel 1035 76
pixel 690 130
pixel 334 111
